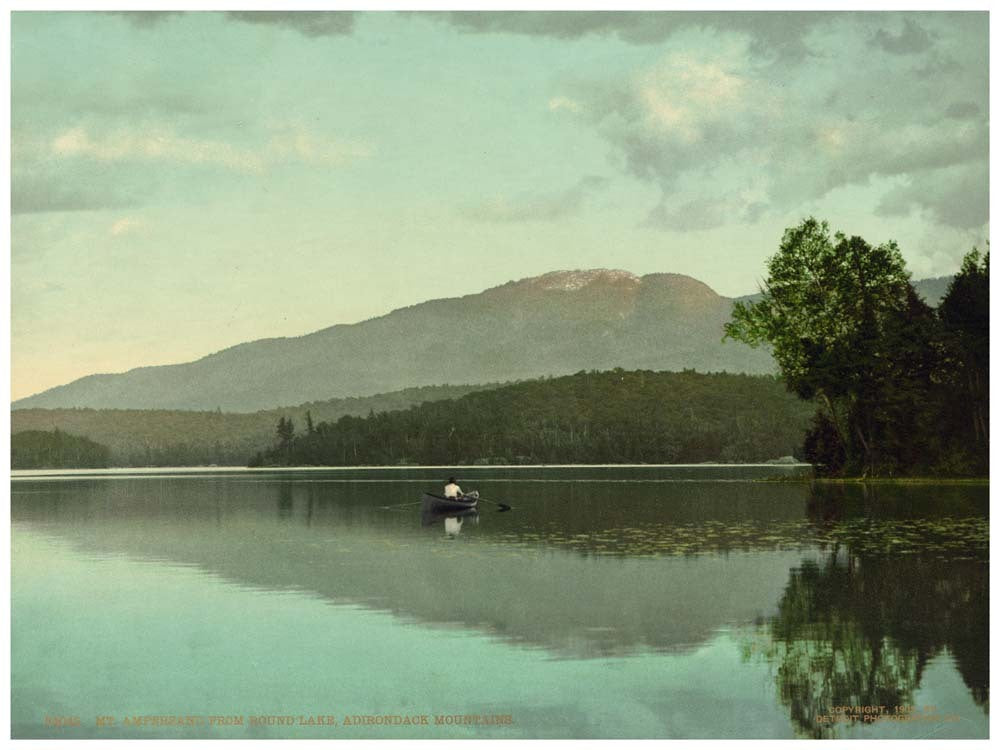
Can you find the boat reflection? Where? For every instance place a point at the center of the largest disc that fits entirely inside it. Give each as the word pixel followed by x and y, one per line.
pixel 452 519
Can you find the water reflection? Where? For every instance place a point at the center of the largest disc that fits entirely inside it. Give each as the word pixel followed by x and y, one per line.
pixel 858 626
pixel 452 520
pixel 854 590
pixel 286 505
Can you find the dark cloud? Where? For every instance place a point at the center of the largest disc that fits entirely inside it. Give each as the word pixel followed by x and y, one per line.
pixel 963 110
pixel 537 206
pixel 772 34
pixel 936 65
pixel 31 194
pixel 307 23
pixel 145 18
pixel 957 196
pixel 913 39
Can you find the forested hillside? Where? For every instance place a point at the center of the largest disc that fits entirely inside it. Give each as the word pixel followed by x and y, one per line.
pixel 139 437
pixel 37 449
pixel 616 416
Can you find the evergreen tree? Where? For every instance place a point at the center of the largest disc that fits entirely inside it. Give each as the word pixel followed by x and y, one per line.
pixel 965 315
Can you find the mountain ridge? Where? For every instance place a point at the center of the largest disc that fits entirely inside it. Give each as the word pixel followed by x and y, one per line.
pixel 552 324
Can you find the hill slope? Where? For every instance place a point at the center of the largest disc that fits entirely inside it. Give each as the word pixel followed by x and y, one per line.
pixel 558 323
pixel 37 449
pixel 146 437
pixel 590 417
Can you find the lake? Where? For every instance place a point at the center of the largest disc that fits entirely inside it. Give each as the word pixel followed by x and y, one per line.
pixel 629 602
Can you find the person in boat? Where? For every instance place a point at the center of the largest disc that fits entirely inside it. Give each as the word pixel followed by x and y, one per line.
pixel 452 490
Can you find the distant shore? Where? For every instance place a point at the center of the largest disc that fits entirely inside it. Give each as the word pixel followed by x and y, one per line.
pixel 800 477
pixel 468 471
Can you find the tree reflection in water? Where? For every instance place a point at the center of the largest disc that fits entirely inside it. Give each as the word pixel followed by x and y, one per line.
pixel 858 629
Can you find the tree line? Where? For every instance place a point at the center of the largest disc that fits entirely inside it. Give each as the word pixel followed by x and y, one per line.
pixel 614 416
pixel 161 437
pixel 898 388
pixel 39 449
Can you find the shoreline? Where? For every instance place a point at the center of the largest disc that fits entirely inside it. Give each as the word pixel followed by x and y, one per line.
pixel 796 472
pixel 445 468
pixel 879 480
pixel 902 480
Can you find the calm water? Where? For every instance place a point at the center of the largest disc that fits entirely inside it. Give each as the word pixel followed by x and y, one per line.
pixel 643 602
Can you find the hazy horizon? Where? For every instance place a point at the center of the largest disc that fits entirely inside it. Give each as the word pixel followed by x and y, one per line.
pixel 202 179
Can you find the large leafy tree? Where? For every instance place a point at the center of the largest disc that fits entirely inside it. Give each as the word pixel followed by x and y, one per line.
pixel 826 309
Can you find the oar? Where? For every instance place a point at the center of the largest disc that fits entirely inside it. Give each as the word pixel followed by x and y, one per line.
pixel 503 506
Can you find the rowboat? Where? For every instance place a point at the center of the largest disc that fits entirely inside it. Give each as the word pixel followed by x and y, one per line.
pixel 438 503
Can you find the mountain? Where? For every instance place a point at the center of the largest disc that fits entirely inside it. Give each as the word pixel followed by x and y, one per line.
pixel 554 324
pixel 932 290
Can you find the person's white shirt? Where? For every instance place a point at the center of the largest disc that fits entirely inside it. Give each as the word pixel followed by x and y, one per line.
pixel 452 490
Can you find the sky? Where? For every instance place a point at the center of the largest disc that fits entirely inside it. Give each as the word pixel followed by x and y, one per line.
pixel 184 182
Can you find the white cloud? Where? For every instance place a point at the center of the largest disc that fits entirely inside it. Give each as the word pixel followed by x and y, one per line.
pixel 291 144
pixel 708 120
pixel 558 103
pixel 124 226
pixel 155 146
pixel 296 144
pixel 684 93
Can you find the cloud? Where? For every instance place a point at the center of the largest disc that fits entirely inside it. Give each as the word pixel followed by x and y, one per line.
pixel 709 121
pixel 771 33
pixel 124 226
pixel 704 213
pixel 41 193
pixel 79 170
pixel 558 103
pixel 296 144
pixel 286 145
pixel 955 196
pixel 154 146
pixel 911 40
pixel 145 19
pixel 936 64
pixel 963 110
pixel 684 114
pixel 307 23
pixel 685 97
pixel 537 206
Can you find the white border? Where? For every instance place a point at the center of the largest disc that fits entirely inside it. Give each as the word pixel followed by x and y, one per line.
pixel 383 5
